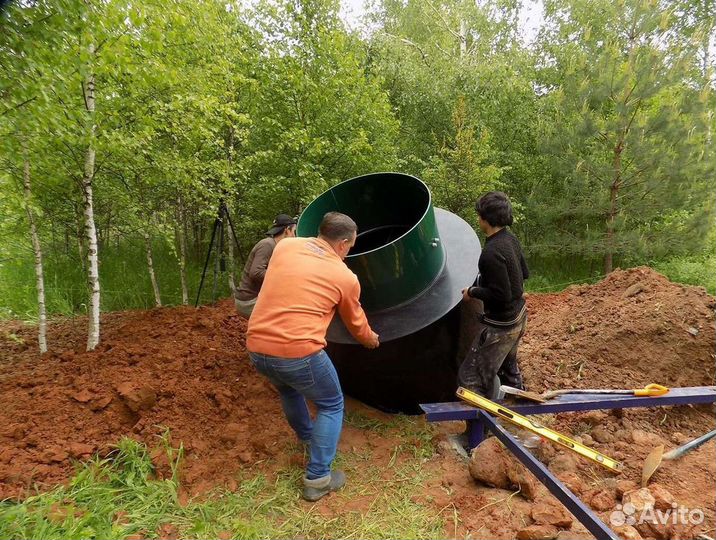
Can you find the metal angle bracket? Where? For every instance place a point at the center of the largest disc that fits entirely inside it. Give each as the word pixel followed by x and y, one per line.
pixel 436 412
pixel 580 510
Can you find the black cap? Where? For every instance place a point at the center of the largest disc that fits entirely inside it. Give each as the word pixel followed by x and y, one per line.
pixel 280 223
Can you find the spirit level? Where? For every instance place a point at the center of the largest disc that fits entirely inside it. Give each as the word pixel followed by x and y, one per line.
pixel 502 412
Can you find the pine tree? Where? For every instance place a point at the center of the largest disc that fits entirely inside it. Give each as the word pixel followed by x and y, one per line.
pixel 629 122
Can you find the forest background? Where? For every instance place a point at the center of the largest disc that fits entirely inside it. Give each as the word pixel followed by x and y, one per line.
pixel 123 124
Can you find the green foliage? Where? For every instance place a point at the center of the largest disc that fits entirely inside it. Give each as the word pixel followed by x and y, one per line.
pixel 691 269
pixel 462 170
pixel 322 119
pixel 124 280
pixel 601 133
pixel 631 125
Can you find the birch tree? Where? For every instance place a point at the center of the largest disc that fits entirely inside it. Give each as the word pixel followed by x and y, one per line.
pixel 27 113
pixel 180 234
pixel 37 250
pixel 150 267
pixel 88 90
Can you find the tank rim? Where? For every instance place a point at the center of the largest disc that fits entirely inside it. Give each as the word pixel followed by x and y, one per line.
pixel 423 186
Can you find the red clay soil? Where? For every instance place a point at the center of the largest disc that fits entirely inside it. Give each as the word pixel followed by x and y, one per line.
pixel 181 368
pixel 187 370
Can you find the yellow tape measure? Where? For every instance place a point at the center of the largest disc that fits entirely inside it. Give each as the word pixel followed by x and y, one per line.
pixel 498 410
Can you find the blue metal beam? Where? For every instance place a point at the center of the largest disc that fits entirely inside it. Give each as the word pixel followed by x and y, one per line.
pixel 436 412
pixel 581 511
pixel 475 432
pixel 478 419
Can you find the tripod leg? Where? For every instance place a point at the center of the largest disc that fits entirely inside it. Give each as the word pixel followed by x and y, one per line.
pixel 206 264
pixel 217 259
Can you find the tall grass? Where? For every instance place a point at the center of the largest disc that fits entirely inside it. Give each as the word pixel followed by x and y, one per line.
pixel 117 497
pixel 124 281
pixel 554 274
pixel 691 270
pixel 550 275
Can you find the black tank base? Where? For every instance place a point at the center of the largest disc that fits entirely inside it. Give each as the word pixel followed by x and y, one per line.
pixel 417 368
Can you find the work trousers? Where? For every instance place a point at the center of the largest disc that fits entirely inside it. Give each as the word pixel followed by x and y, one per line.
pixel 492 359
pixel 245 307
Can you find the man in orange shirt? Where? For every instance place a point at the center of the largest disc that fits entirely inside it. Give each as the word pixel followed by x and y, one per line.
pixel 305 283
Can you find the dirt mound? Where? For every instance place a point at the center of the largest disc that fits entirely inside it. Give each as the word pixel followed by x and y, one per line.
pixel 186 369
pixel 633 328
pixel 179 368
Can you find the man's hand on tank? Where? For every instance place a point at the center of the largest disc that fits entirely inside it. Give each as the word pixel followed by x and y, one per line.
pixel 466 294
pixel 373 342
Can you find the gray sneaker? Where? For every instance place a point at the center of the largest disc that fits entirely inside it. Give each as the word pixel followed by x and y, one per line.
pixel 318 487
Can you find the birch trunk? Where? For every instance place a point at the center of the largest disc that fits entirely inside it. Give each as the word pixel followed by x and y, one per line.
pixel 90 230
pixel 463 37
pixel 39 274
pixel 228 228
pixel 181 235
pixel 150 266
pixel 80 237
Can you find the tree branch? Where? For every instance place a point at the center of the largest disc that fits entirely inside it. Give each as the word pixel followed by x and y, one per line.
pixel 412 44
pixel 19 105
pixel 445 23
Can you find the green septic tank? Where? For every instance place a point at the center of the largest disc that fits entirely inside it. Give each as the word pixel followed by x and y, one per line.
pixel 412 261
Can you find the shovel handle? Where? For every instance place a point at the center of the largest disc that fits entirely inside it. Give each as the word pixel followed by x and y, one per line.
pixel 681 450
pixel 651 390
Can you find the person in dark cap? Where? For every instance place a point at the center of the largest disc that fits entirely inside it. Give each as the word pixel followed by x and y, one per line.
pixel 284 226
pixel 492 358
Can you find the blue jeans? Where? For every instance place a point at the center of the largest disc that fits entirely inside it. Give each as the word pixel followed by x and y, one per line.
pixel 311 377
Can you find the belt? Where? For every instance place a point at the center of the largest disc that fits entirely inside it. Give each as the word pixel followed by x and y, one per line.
pixel 493 322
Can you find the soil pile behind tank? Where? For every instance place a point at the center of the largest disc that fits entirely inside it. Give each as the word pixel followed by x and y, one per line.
pixel 633 328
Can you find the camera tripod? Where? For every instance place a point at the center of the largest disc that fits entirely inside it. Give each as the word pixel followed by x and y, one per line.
pixel 220 261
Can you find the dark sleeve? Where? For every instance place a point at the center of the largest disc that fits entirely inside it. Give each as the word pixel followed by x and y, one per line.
pixel 523 264
pixel 257 272
pixel 496 288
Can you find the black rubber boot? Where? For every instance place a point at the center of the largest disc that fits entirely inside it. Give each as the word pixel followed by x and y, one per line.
pixel 318 487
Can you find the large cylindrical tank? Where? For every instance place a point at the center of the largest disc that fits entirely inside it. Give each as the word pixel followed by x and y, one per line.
pixel 412 261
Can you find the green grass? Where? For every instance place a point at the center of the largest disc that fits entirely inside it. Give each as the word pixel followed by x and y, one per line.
pixel 117 497
pixel 124 282
pixel 415 436
pixel 553 275
pixel 691 270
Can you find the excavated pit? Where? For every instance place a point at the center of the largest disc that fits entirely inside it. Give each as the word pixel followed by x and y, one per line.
pixel 186 370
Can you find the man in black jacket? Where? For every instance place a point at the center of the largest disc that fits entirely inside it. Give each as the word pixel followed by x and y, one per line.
pixel 492 358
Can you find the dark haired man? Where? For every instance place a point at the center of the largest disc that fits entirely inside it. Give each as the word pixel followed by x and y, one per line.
pixel 305 284
pixel 252 277
pixel 492 358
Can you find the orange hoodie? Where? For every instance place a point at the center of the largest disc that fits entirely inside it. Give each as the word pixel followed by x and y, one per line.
pixel 306 280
